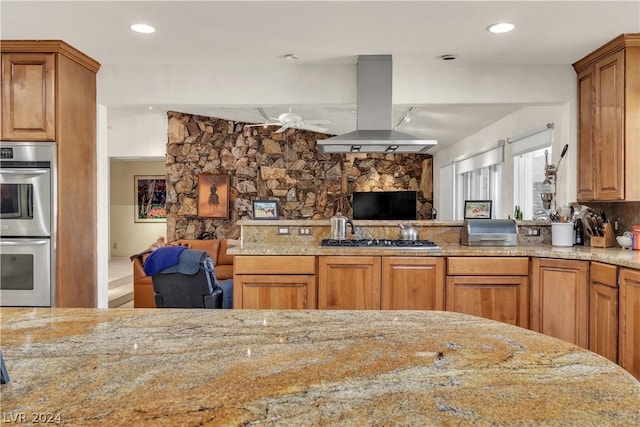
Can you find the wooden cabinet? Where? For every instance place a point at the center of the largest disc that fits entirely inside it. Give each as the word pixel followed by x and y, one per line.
pixel 559 299
pixel 349 283
pixel 274 282
pixel 28 97
pixel 609 121
pixel 491 287
pixel 388 283
pixel 49 93
pixel 412 283
pixel 629 339
pixel 603 310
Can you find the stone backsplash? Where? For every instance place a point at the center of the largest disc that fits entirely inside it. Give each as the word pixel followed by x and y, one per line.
pixel 264 165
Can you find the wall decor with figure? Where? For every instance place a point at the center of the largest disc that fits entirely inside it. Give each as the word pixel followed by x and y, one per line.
pixel 213 196
pixel 151 196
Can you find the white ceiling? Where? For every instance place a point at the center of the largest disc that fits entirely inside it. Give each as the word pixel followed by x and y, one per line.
pixel 249 34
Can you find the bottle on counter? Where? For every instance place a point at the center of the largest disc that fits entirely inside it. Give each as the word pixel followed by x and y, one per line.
pixel 579 233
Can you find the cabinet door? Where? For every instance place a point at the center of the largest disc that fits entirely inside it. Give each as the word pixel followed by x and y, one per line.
pixel 28 97
pixel 603 310
pixel 501 298
pixel 349 283
pixel 274 292
pixel 609 125
pixel 629 356
pixel 412 283
pixel 586 121
pixel 559 299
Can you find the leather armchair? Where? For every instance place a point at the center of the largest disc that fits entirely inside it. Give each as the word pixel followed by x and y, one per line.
pixel 217 250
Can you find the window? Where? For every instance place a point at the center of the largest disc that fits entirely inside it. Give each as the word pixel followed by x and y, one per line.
pixel 529 158
pixel 480 178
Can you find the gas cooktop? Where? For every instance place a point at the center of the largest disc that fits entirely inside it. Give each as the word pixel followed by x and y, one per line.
pixel 379 243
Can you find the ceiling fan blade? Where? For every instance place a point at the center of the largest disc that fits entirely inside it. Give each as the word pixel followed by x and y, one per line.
pixel 312 128
pixel 282 129
pixel 263 124
pixel 263 114
pixel 316 122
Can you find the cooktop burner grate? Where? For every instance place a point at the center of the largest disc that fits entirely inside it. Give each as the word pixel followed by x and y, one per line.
pixel 379 243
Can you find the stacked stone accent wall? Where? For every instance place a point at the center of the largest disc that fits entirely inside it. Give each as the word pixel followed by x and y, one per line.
pixel 263 165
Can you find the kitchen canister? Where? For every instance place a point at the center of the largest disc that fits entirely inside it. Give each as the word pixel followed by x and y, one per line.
pixel 636 237
pixel 562 233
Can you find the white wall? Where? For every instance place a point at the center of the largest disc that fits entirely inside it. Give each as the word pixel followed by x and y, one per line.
pixel 521 121
pixel 137 132
pixel 126 236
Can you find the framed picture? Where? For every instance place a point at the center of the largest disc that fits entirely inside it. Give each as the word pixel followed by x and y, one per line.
pixel 213 196
pixel 265 209
pixel 151 195
pixel 477 209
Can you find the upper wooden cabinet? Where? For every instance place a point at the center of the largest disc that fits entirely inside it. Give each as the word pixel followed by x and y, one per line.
pixel 49 94
pixel 28 97
pixel 609 121
pixel 560 299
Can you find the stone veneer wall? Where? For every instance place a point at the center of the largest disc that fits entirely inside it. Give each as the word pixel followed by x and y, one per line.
pixel 286 167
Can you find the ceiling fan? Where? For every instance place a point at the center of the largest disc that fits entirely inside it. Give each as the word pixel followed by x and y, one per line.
pixel 291 120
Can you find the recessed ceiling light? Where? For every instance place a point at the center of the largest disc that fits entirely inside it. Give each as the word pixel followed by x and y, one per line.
pixel 501 27
pixel 142 28
pixel 291 56
pixel 448 57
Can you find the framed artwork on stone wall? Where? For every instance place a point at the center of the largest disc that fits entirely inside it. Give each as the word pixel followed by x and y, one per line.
pixel 213 196
pixel 151 195
pixel 477 209
pixel 265 209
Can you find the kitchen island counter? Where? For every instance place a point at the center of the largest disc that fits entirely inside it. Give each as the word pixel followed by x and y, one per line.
pixel 221 367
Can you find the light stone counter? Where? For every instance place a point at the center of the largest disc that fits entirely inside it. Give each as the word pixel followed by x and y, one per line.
pixel 615 256
pixel 240 367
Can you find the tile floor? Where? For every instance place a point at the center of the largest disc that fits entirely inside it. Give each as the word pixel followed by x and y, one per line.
pixel 120 282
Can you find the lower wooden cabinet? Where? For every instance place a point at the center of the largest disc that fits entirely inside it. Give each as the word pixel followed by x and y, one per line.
pixel 349 283
pixel 274 282
pixel 388 283
pixel 412 283
pixel 491 287
pixel 603 310
pixel 629 338
pixel 560 299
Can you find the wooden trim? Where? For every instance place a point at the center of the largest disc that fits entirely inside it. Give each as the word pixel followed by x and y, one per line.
pixel 488 266
pixel 619 43
pixel 50 46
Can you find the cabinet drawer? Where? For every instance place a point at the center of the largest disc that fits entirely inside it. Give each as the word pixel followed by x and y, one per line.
pixel 274 265
pixel 488 266
pixel 605 274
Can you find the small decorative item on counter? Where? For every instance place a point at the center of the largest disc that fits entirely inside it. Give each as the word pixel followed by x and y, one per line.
pixel 517 214
pixel 626 240
pixel 579 233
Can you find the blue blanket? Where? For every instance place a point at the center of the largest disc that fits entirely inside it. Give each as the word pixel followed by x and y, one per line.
pixel 162 258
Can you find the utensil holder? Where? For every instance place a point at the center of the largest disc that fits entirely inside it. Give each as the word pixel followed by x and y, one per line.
pixel 606 241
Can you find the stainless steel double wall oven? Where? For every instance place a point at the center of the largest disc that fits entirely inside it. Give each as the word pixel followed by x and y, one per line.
pixel 27 224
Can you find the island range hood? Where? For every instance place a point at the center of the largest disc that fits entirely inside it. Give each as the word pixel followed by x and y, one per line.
pixel 374 133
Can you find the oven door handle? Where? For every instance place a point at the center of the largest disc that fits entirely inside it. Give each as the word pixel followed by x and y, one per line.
pixel 25 171
pixel 23 242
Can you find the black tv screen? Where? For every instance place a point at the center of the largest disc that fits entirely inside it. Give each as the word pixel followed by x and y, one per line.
pixel 385 205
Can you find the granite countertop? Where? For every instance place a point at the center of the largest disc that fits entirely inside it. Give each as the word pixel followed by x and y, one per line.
pixel 615 256
pixel 238 367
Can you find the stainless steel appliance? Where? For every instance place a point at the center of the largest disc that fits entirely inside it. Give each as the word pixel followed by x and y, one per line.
pixel 27 224
pixel 380 243
pixel 339 226
pixel 489 232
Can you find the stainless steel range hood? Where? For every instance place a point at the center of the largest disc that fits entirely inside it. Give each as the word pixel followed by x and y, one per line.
pixel 374 132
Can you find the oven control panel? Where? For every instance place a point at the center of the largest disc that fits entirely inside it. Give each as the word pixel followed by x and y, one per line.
pixel 6 152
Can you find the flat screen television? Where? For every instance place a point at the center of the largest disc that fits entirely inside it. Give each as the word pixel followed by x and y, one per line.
pixel 385 205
